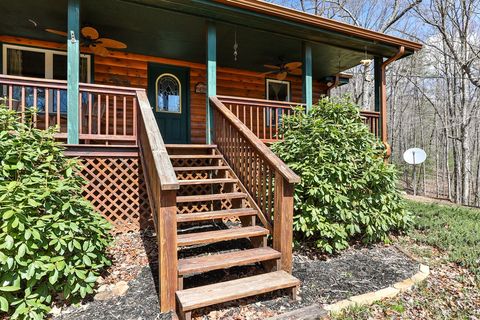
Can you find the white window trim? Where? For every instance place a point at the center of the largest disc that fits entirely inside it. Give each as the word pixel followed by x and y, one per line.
pixel 281 82
pixel 48 59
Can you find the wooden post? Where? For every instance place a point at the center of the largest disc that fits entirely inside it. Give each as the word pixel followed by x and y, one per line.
pixel 307 88
pixel 73 71
pixel 167 249
pixel 211 74
pixel 283 221
pixel 378 61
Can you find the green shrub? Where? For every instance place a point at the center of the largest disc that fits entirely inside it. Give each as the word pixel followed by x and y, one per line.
pixel 347 191
pixel 52 243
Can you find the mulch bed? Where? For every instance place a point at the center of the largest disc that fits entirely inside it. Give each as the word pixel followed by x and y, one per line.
pixel 450 291
pixel 356 271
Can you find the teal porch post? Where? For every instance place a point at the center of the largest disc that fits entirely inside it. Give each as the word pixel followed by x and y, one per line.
pixel 211 74
pixel 73 69
pixel 307 89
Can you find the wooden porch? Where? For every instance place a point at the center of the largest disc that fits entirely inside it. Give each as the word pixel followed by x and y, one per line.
pixel 136 181
pixel 225 172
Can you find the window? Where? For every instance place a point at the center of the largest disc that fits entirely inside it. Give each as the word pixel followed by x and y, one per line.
pixel 169 94
pixel 279 91
pixel 41 63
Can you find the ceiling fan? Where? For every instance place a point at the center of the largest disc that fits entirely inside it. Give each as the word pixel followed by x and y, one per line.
pixel 90 38
pixel 282 70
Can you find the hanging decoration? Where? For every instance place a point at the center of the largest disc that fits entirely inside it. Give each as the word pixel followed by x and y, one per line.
pixel 235 47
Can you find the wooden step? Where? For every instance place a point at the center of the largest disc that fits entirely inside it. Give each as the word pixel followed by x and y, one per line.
pixel 200 297
pixel 201 168
pixel 206 181
pixel 190 239
pixel 226 260
pixel 196 156
pixel 212 197
pixel 191 146
pixel 212 215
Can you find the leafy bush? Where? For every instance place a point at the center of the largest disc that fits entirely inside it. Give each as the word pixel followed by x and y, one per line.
pixel 347 190
pixel 52 243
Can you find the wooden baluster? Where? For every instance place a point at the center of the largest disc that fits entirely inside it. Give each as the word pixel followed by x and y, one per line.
pixel 47 104
pixel 59 123
pixel 80 113
pixel 270 121
pixel 22 105
pixel 35 105
pixel 10 97
pixel 90 116
pixel 283 221
pixel 134 133
pixel 99 113
pixel 107 114
pixel 264 123
pixel 251 118
pixel 124 115
pixel 276 124
pixel 115 115
pixel 258 122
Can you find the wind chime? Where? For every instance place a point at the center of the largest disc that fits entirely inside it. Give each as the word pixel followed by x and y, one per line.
pixel 366 64
pixel 235 47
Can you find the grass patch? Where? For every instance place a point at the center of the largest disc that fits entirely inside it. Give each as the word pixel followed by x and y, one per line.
pixel 451 228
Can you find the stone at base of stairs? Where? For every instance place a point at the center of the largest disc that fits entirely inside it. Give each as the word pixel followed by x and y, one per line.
pixel 313 312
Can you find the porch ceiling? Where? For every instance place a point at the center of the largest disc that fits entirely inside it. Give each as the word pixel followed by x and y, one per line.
pixel 174 30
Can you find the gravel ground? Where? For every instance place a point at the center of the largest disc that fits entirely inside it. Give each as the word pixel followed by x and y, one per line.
pixel 356 271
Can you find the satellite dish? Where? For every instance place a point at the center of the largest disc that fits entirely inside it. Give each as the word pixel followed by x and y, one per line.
pixel 414 156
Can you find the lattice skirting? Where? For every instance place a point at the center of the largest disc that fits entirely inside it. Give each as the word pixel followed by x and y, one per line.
pixel 116 188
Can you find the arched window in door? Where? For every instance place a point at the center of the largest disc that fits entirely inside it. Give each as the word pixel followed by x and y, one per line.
pixel 168 94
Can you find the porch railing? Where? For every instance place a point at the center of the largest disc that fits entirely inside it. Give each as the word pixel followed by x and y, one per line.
pixel 107 114
pixel 268 180
pixel 264 117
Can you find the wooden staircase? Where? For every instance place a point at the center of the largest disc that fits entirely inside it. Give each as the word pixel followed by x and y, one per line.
pixel 214 207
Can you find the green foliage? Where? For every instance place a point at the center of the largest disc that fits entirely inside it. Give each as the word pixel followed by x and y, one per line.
pixel 51 240
pixel 452 228
pixel 347 191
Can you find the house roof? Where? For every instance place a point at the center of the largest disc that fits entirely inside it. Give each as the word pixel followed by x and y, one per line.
pixel 304 18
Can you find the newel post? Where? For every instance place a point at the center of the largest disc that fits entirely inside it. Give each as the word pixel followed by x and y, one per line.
pixel 283 221
pixel 167 249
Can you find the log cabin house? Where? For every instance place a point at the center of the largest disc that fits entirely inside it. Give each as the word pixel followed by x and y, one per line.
pixel 170 106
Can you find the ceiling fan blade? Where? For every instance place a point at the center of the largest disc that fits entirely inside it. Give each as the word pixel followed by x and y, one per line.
pixel 296 72
pixel 99 50
pixel 270 66
pixel 57 32
pixel 282 75
pixel 110 43
pixel 293 65
pixel 269 72
pixel 90 32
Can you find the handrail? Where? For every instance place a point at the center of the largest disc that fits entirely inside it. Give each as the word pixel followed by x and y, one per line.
pixel 268 180
pixel 264 117
pixel 162 186
pixel 256 143
pixel 62 85
pixel 162 163
pixel 260 102
pixel 107 114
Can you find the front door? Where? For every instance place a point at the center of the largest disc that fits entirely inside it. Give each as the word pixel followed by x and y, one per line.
pixel 168 92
